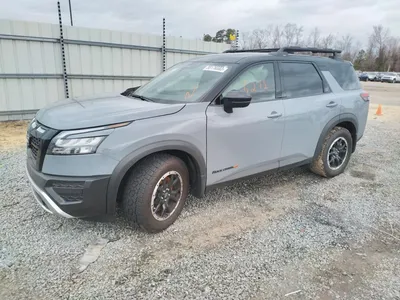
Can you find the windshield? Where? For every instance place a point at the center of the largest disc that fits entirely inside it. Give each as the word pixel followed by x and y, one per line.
pixel 184 82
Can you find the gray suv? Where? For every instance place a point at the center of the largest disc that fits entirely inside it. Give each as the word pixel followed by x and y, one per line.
pixel 202 123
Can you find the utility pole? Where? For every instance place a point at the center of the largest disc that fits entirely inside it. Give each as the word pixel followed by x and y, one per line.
pixel 70 13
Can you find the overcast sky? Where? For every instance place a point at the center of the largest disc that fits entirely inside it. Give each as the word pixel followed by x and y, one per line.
pixel 193 18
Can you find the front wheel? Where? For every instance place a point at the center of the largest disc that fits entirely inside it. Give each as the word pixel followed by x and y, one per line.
pixel 155 192
pixel 334 154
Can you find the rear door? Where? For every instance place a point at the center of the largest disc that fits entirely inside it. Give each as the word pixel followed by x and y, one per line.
pixel 309 105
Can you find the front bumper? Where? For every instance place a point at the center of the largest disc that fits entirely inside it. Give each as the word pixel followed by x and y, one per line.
pixel 387 80
pixel 69 197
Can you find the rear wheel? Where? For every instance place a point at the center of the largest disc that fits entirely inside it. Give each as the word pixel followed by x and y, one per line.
pixel 335 153
pixel 155 192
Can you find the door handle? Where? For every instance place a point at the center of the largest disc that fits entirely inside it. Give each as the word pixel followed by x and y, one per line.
pixel 332 104
pixel 274 115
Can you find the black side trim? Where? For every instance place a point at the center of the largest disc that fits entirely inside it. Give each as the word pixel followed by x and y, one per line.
pixel 230 182
pixel 130 160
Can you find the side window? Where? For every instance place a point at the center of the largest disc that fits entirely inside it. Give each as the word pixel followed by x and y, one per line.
pixel 345 75
pixel 258 81
pixel 300 80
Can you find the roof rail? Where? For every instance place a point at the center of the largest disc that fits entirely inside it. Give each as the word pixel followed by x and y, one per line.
pixel 291 50
pixel 312 50
pixel 253 50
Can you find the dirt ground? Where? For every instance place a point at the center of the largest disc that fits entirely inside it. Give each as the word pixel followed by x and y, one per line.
pixel 13 134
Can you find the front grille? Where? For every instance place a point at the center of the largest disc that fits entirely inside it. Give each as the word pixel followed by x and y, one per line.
pixel 38 139
pixel 34 144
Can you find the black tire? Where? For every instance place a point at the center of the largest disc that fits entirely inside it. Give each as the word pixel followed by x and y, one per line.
pixel 320 164
pixel 139 187
pixel 394 81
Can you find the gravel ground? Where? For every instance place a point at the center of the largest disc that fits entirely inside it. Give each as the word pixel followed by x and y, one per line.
pixel 291 232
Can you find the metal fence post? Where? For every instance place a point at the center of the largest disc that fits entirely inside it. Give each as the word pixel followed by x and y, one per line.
pixel 237 39
pixel 163 47
pixel 64 65
pixel 70 13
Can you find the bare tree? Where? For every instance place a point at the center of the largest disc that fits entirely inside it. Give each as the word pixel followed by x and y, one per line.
pixel 377 43
pixel 393 49
pixel 262 37
pixel 328 41
pixel 244 40
pixel 292 34
pixel 289 34
pixel 256 39
pixel 314 37
pixel 355 50
pixel 345 43
pixel 379 37
pixel 299 36
pixel 381 53
pixel 277 37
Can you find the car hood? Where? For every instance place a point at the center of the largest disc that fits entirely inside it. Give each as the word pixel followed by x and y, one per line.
pixel 85 112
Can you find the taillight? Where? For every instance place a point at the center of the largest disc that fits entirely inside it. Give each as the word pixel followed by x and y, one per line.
pixel 365 96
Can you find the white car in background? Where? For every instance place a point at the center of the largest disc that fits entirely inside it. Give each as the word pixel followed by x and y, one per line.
pixel 390 77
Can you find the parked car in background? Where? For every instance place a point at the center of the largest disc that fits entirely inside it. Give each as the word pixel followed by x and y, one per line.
pixel 379 76
pixel 391 77
pixel 368 76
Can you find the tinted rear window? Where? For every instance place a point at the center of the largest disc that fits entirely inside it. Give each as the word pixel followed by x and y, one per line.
pixel 345 75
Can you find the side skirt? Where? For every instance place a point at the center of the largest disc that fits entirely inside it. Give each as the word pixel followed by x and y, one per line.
pixel 230 182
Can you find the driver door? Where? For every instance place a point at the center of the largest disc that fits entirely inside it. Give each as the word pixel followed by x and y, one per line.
pixel 248 140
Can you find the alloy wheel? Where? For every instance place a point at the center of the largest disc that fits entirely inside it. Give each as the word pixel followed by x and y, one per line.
pixel 167 195
pixel 337 153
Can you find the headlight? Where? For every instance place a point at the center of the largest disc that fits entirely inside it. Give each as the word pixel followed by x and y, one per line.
pixel 83 141
pixel 76 146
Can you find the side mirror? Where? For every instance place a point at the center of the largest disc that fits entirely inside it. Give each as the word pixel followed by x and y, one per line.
pixel 235 99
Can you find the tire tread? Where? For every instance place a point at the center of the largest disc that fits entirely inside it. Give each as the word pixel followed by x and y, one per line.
pixel 317 165
pixel 133 197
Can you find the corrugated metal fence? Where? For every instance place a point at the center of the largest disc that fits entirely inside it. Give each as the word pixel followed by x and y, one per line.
pixel 96 61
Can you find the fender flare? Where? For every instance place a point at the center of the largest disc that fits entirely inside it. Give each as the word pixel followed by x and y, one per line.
pixel 132 158
pixel 331 124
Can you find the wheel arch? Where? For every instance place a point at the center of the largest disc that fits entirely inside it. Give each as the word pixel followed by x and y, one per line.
pixel 348 121
pixel 192 157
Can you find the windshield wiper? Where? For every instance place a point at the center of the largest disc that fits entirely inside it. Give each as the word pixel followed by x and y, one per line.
pixel 141 98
